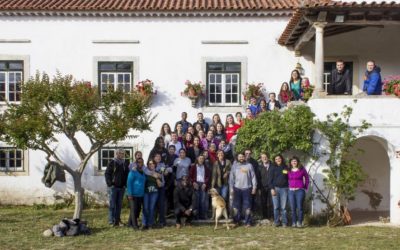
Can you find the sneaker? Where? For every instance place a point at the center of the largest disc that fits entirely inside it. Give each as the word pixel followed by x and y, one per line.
pixel 144 228
pixel 299 225
pixel 178 226
pixel 284 225
pixel 275 225
pixel 247 226
pixel 293 225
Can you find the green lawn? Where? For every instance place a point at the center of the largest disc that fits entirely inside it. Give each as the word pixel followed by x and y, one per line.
pixel 22 227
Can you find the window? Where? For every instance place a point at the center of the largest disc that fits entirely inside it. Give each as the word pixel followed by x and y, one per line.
pixel 115 75
pixel 330 66
pixel 223 83
pixel 11 160
pixel 108 153
pixel 11 78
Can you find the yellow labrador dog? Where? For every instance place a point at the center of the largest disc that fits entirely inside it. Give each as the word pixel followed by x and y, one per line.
pixel 219 207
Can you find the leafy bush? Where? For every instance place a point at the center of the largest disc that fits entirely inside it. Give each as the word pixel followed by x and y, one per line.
pixel 278 132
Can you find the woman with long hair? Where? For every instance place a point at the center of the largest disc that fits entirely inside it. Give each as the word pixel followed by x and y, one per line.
pixel 298 185
pixel 188 140
pixel 285 94
pixel 231 127
pixel 179 132
pixel 295 84
pixel 279 190
pixel 216 119
pixel 165 133
pixel 220 132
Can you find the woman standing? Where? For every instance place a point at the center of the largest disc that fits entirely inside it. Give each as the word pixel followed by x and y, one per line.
pixel 150 195
pixel 278 182
pixel 216 119
pixel 220 133
pixel 179 132
pixel 165 133
pixel 196 150
pixel 298 184
pixel 295 84
pixel 182 164
pixel 230 127
pixel 135 191
pixel 285 95
pixel 220 175
pixel 199 176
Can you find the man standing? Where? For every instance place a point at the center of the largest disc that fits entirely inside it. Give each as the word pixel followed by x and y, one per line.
pixel 185 124
pixel 372 79
pixel 341 83
pixel 200 120
pixel 243 184
pixel 184 202
pixel 116 176
pixel 265 166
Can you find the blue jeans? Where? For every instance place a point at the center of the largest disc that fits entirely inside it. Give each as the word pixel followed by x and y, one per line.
pixel 279 201
pixel 202 203
pixel 149 204
pixel 296 199
pixel 242 203
pixel 116 196
pixel 161 206
pixel 224 191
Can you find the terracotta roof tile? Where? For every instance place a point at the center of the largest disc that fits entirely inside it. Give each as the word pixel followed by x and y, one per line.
pixel 329 4
pixel 147 5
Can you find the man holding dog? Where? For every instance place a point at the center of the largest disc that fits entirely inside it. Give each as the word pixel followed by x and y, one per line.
pixel 243 184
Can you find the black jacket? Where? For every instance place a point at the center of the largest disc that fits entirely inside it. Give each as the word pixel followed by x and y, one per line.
pixel 341 82
pixel 184 198
pixel 254 163
pixel 264 174
pixel 190 154
pixel 117 174
pixel 278 177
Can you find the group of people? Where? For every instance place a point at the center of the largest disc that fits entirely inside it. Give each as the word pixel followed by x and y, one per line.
pixel 189 159
pixel 341 80
pixel 185 163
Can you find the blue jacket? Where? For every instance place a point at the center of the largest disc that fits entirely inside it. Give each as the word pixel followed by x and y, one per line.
pixel 135 183
pixel 373 84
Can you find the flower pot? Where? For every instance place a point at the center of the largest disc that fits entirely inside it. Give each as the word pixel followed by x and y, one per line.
pixel 193 100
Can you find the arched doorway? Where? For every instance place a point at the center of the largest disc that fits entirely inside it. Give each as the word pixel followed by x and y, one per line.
pixel 372 200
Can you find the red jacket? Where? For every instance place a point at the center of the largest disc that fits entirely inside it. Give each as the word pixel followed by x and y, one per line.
pixel 193 175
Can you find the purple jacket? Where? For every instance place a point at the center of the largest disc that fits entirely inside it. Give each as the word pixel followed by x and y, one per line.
pixel 298 179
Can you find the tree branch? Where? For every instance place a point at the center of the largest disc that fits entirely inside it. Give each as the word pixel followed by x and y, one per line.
pixel 77 146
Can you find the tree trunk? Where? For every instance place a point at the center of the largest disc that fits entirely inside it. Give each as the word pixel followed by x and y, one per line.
pixel 79 192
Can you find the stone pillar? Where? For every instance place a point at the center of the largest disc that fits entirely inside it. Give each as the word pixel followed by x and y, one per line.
pixel 319 57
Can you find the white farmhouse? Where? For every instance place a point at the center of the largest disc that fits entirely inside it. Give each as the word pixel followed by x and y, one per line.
pixel 171 41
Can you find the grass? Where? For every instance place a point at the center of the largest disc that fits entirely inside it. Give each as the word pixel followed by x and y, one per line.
pixel 22 227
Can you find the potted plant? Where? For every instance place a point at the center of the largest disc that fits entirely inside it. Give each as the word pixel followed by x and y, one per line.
pixel 146 88
pixel 391 85
pixel 255 90
pixel 193 91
